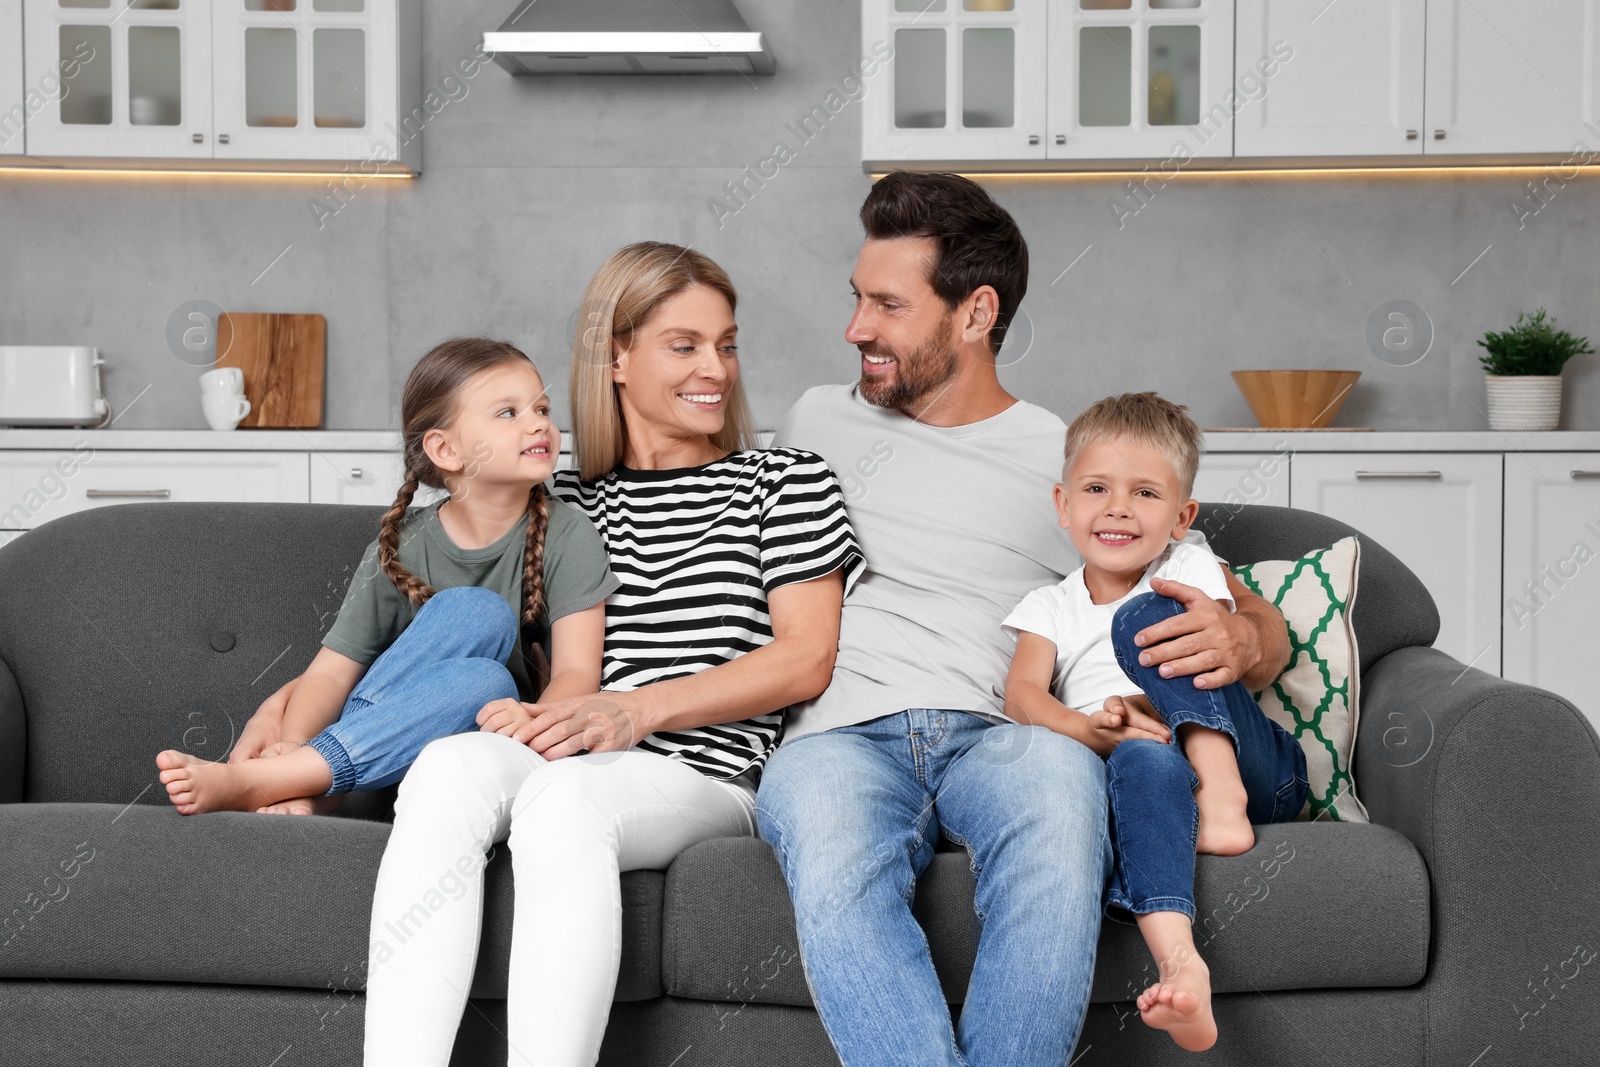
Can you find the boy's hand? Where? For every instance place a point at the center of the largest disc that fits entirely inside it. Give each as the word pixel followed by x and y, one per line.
pixel 1120 719
pixel 504 716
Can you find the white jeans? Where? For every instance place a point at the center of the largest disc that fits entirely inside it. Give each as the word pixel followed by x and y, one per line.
pixel 573 825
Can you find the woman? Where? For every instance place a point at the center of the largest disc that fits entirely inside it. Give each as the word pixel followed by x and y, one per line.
pixel 734 563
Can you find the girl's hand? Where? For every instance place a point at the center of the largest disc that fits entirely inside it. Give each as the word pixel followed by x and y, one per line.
pixel 1120 719
pixel 264 727
pixel 598 722
pixel 505 716
pixel 278 749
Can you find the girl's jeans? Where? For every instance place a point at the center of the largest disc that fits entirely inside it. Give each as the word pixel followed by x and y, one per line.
pixel 430 683
pixel 1154 819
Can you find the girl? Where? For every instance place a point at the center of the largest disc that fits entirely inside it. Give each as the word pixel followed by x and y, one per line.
pixel 519 609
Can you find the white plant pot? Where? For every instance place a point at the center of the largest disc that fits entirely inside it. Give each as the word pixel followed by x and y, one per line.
pixel 1523 401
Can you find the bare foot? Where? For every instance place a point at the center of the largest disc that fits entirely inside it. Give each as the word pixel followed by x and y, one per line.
pixel 302 806
pixel 1225 829
pixel 195 785
pixel 1182 1007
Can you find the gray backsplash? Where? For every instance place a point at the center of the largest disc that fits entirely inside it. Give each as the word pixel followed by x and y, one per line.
pixel 529 183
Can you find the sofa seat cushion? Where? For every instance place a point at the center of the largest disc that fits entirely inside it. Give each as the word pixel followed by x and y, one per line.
pixel 1313 906
pixel 99 891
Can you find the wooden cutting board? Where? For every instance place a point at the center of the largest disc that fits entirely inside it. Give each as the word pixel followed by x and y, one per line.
pixel 284 359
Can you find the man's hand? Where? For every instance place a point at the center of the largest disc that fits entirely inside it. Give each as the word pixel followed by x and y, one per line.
pixel 597 722
pixel 1124 719
pixel 265 727
pixel 1215 645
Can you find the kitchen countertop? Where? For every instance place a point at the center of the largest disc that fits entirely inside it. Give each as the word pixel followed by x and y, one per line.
pixel 1217 441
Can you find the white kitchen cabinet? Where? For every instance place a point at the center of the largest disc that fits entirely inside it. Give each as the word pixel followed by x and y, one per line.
pixel 362 478
pixel 966 80
pixel 1506 76
pixel 14 101
pixel 1440 514
pixel 1351 85
pixel 1551 609
pixel 1140 78
pixel 39 485
pixel 136 77
pixel 231 80
pixel 310 79
pixel 1226 481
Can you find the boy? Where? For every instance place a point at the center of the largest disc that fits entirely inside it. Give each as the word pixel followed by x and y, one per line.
pixel 1217 764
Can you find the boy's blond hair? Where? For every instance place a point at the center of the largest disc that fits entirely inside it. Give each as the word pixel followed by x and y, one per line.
pixel 1147 419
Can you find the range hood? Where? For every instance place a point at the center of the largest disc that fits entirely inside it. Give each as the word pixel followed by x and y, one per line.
pixel 628 37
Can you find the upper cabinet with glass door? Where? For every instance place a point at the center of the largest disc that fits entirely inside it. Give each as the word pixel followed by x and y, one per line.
pixel 14 102
pixel 228 80
pixel 135 77
pixel 305 79
pixel 1140 79
pixel 964 82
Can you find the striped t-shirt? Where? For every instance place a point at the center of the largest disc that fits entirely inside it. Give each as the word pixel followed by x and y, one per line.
pixel 697 550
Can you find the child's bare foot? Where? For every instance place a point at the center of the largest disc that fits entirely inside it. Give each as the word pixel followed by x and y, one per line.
pixel 1225 829
pixel 195 785
pixel 1182 1007
pixel 302 806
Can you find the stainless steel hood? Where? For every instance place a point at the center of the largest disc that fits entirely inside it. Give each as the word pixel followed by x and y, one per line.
pixel 628 37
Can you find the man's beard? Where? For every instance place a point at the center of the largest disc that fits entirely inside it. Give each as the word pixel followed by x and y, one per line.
pixel 916 374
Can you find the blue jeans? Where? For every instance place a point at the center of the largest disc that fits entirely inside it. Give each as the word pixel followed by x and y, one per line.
pixel 430 683
pixel 853 814
pixel 1154 819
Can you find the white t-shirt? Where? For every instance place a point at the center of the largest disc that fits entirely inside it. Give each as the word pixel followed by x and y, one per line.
pixel 957 525
pixel 1086 669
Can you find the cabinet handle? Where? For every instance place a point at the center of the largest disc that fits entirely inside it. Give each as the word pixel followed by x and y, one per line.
pixel 1033 138
pixel 98 494
pixel 1586 474
pixel 1411 135
pixel 1061 138
pixel 222 138
pixel 199 138
pixel 1398 474
pixel 355 472
pixel 1438 135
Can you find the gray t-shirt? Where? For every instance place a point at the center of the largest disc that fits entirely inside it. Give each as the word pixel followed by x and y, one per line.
pixel 576 576
pixel 957 525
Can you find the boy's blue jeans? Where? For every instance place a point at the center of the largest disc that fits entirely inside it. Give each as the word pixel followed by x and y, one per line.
pixel 1154 819
pixel 430 683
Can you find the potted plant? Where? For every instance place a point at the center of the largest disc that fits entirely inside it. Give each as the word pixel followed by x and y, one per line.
pixel 1523 368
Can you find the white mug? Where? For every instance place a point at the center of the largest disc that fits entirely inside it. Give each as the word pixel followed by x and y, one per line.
pixel 224 412
pixel 224 381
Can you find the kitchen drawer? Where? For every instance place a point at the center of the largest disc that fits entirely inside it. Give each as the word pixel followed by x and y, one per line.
pixel 370 478
pixel 37 486
pixel 1226 481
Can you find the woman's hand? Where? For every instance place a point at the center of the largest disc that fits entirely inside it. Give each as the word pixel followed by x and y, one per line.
pixel 597 722
pixel 1122 719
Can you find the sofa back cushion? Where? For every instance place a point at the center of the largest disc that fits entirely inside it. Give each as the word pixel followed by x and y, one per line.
pixel 138 627
pixel 1394 609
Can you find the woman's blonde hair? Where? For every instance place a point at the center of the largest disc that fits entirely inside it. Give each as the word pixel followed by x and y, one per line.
pixel 431 401
pixel 1147 419
pixel 622 296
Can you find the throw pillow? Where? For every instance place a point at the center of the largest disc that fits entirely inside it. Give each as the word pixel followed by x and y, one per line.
pixel 1315 698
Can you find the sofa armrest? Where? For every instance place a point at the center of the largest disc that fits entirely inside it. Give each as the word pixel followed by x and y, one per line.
pixel 13 738
pixel 1497 784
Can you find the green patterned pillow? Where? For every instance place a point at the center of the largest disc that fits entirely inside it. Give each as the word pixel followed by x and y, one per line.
pixel 1315 698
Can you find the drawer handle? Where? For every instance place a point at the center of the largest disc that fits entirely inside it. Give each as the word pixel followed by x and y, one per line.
pixel 99 494
pixel 1586 474
pixel 1398 474
pixel 355 472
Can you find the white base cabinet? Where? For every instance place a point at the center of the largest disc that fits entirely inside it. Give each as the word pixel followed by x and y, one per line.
pixel 1551 616
pixel 1440 514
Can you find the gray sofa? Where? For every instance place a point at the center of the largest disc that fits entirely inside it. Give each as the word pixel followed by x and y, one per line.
pixel 1453 931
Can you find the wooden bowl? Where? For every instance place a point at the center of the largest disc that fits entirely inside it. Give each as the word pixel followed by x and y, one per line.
pixel 1295 399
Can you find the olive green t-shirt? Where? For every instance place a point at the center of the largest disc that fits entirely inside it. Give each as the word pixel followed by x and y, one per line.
pixel 576 576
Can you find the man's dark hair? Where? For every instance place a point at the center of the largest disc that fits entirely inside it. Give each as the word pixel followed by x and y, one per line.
pixel 977 241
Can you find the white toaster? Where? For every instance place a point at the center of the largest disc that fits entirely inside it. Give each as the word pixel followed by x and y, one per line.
pixel 51 385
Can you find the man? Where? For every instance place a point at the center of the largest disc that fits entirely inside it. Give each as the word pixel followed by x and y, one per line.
pixel 948 480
